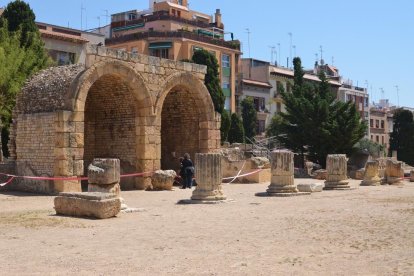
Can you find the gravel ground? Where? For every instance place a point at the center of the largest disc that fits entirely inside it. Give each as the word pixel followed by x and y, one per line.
pixel 366 231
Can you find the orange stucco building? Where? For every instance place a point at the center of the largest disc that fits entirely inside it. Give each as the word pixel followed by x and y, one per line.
pixel 169 29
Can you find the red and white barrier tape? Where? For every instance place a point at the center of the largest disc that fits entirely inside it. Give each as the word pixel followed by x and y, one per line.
pixel 11 177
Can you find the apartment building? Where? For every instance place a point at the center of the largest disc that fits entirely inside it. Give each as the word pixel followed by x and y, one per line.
pixel 379 125
pixel 169 29
pixel 67 45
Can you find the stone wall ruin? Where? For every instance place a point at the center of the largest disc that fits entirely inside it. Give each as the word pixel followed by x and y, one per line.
pixel 143 110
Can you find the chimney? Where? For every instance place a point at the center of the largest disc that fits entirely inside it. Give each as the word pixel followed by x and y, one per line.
pixel 217 16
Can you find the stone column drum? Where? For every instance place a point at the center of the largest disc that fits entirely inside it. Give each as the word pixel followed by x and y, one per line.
pixel 208 174
pixel 371 177
pixel 104 176
pixel 337 178
pixel 393 172
pixel 282 170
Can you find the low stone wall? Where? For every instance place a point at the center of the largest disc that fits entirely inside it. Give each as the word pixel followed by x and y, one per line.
pixel 35 147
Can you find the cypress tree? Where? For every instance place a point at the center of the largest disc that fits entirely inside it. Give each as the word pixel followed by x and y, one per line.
pixel 236 133
pixel 315 123
pixel 212 80
pixel 225 125
pixel 402 137
pixel 249 116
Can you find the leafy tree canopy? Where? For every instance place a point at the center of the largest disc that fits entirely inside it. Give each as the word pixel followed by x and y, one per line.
pixel 225 125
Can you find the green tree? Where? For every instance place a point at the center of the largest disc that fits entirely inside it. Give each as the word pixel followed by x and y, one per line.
pixel 315 123
pixel 249 116
pixel 17 64
pixel 402 136
pixel 212 80
pixel 236 133
pixel 225 125
pixel 21 17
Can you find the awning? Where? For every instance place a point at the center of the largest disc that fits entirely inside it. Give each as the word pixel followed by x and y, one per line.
pixel 160 45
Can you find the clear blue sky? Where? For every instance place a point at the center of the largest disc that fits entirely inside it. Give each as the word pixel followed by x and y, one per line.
pixel 369 40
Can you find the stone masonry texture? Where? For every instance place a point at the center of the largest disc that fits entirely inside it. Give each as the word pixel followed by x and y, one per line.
pixel 143 110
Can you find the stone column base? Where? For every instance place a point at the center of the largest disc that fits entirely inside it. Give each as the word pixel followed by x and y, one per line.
pixel 371 182
pixel 337 185
pixel 208 195
pixel 279 189
pixel 394 180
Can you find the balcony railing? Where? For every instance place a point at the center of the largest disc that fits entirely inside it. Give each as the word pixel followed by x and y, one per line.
pixel 161 15
pixel 177 34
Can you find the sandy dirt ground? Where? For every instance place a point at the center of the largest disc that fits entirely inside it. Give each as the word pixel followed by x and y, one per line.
pixel 366 231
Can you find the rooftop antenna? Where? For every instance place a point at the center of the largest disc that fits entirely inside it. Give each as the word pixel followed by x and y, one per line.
pixel 316 57
pixel 82 9
pixel 398 97
pixel 321 50
pixel 382 93
pixel 106 16
pixel 290 48
pixel 278 46
pixel 248 39
pixel 272 51
pixel 99 23
pixel 294 50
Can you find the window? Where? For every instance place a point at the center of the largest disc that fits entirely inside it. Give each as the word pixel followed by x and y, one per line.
pixel 366 102
pixel 180 2
pixel 376 123
pixel 371 123
pixel 288 87
pixel 260 126
pixel 161 53
pixel 63 58
pixel 179 13
pixel 377 139
pixel 132 16
pixel 225 61
pixel 278 107
pixel 259 104
pixel 372 137
pixel 227 103
pixel 382 140
pixel 382 124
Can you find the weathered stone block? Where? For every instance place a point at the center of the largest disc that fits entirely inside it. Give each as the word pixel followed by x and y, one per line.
pixel 412 176
pixel 78 168
pixel 61 186
pixel 76 140
pixel 163 180
pixel 107 188
pixel 96 205
pixel 337 178
pixel 311 188
pixel 394 172
pixel 371 177
pixel 104 171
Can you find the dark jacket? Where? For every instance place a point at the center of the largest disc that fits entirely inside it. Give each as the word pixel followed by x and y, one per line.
pixel 188 167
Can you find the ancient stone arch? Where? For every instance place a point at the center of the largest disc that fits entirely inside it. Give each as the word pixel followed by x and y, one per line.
pixel 119 105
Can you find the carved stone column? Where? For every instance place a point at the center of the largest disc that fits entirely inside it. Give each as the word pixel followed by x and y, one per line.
pixel 282 174
pixel 371 177
pixel 208 174
pixel 394 172
pixel 104 176
pixel 337 178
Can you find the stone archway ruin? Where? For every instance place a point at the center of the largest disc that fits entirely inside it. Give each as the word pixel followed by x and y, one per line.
pixel 119 105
